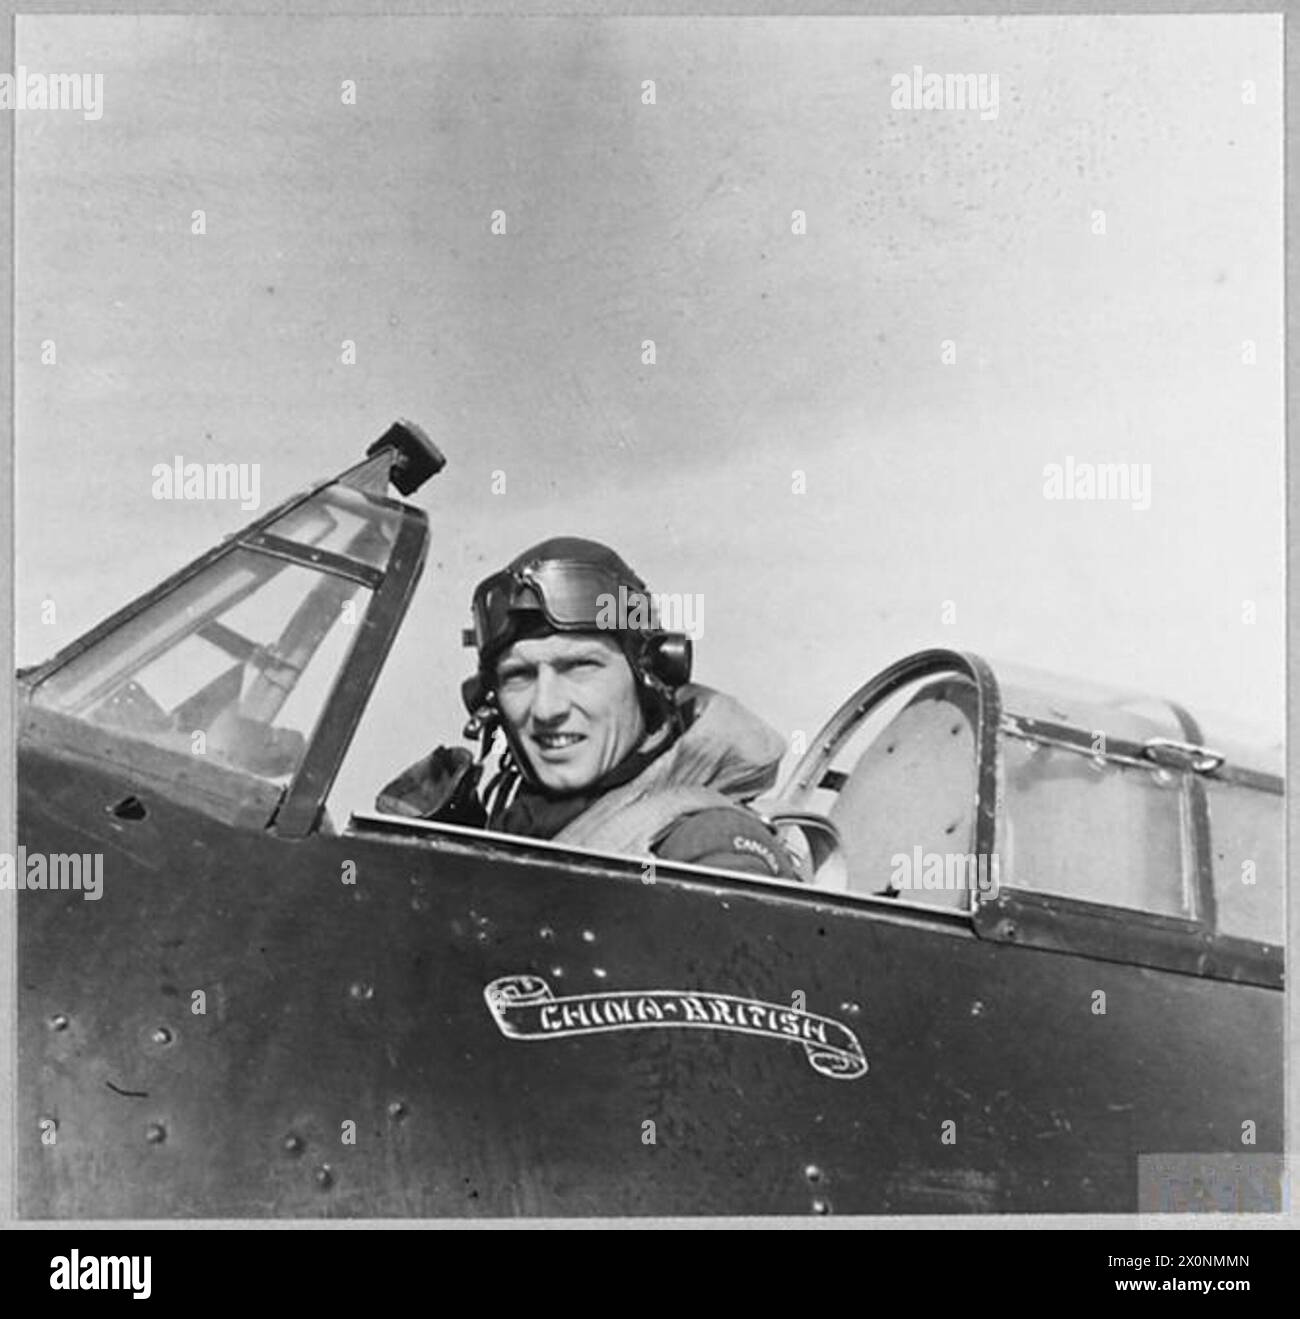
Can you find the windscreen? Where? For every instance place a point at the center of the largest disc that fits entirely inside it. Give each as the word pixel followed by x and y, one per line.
pixel 236 663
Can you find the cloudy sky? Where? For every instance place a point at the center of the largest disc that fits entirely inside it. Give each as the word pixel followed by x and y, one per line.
pixel 778 355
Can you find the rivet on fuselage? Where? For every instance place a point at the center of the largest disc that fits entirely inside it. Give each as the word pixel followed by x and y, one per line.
pixel 58 1021
pixel 851 1009
pixel 360 990
pixel 546 932
pixel 324 1176
pixel 161 1035
pixel 292 1144
pixel 588 936
pixel 155 1133
pixel 813 1173
pixel 821 1206
pixel 397 1110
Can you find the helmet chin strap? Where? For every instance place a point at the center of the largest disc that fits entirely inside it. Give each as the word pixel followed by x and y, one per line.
pixel 485 724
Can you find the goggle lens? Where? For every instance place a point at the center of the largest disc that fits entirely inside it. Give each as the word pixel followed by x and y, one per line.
pixel 573 597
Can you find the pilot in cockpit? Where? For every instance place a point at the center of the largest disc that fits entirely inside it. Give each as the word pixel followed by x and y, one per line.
pixel 607 744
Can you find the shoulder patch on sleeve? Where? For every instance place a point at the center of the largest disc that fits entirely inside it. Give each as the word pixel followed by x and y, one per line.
pixel 727 836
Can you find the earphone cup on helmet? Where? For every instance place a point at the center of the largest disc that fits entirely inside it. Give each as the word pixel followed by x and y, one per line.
pixel 669 657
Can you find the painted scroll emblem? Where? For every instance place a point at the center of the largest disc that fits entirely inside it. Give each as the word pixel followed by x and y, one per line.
pixel 525 1009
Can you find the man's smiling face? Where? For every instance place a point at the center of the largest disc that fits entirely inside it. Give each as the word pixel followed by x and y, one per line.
pixel 571 702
